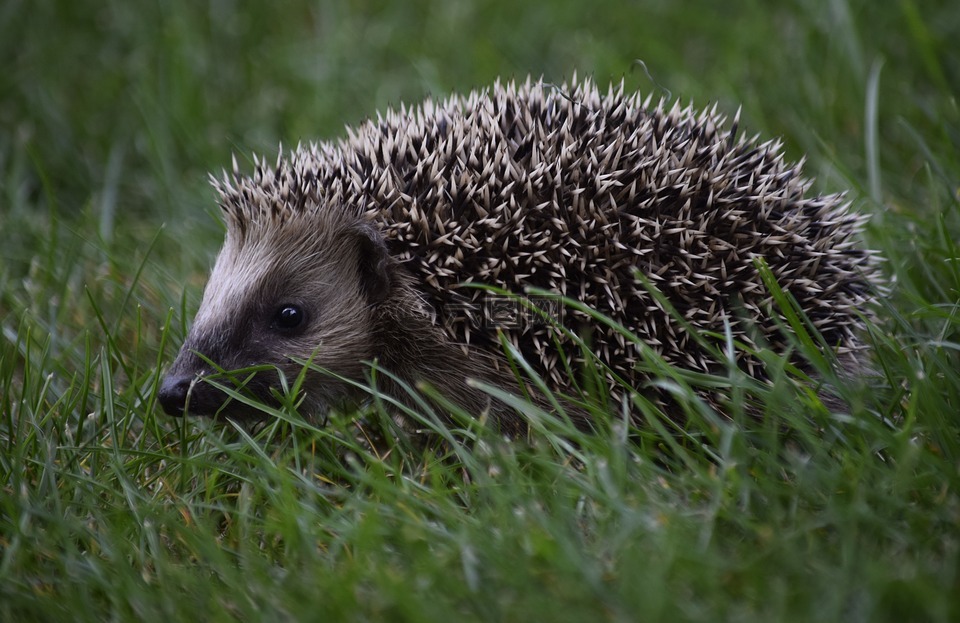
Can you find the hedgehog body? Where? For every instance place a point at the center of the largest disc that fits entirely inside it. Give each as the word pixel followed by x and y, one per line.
pixel 367 248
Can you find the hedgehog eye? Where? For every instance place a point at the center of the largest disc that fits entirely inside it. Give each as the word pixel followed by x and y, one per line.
pixel 288 317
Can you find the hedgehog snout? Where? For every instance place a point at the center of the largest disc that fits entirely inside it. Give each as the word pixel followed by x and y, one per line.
pixel 181 394
pixel 187 392
pixel 173 393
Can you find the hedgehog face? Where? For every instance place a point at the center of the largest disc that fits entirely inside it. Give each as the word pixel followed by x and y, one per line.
pixel 280 292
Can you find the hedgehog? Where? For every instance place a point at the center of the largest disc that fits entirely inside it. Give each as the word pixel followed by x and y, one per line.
pixel 370 249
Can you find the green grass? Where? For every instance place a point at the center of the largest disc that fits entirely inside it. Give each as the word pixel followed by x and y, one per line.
pixel 111 114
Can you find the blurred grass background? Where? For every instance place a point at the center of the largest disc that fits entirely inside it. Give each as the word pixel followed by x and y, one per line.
pixel 111 115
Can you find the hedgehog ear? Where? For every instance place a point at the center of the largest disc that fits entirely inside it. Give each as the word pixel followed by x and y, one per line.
pixel 374 262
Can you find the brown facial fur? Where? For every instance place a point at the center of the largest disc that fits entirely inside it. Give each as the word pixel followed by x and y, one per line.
pixel 253 277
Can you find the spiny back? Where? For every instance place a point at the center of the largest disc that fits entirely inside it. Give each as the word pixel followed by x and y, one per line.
pixel 570 190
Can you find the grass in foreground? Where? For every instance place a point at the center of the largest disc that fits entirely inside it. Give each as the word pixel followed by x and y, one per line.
pixel 802 515
pixel 110 510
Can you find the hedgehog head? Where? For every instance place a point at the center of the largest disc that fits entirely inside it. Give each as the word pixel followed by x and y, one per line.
pixel 295 280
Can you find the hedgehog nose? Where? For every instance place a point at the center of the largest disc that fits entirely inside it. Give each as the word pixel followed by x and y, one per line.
pixel 173 393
